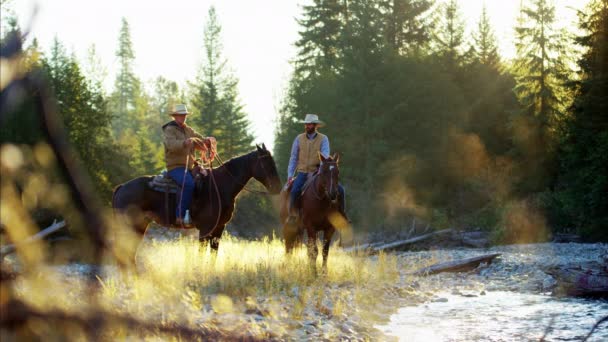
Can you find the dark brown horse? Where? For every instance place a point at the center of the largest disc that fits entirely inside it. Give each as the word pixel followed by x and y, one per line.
pixel 318 206
pixel 212 206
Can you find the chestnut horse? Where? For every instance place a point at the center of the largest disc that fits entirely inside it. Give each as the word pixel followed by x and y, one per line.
pixel 318 203
pixel 212 204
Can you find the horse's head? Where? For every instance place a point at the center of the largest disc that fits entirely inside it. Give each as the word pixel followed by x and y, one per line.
pixel 265 170
pixel 328 176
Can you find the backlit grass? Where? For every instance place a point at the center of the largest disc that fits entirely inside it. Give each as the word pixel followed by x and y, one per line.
pixel 250 288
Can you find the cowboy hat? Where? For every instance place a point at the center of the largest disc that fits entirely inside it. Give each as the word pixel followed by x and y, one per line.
pixel 312 118
pixel 179 109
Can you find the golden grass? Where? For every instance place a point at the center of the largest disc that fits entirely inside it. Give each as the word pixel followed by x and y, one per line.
pixel 249 288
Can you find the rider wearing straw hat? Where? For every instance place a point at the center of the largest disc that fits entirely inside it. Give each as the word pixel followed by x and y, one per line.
pixel 180 140
pixel 304 160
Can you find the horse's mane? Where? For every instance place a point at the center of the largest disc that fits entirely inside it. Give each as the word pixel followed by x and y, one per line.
pixel 233 165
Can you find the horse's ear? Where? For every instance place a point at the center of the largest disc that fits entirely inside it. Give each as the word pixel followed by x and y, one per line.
pixel 336 157
pixel 258 147
pixel 321 158
pixel 264 147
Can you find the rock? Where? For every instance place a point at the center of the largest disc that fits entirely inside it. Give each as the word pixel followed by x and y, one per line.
pixel 440 300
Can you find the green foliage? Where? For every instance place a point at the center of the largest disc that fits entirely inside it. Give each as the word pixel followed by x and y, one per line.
pixel 406 30
pixel 485 49
pixel 580 195
pixel 215 97
pixel 319 42
pixel 449 36
pixel 540 70
pixel 84 114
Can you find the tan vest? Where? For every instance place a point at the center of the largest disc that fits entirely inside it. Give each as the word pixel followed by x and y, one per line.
pixel 308 156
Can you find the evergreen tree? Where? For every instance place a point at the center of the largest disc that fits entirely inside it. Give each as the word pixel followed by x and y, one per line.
pixel 541 71
pixel 94 70
pixel 165 95
pixel 485 49
pixel 582 188
pixel 407 31
pixel 220 113
pixel 127 87
pixel 449 37
pixel 320 36
pixel 206 94
pixel 83 113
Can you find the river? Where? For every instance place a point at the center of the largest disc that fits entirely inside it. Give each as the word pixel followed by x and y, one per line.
pixel 507 301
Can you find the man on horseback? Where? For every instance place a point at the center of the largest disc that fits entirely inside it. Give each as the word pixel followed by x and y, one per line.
pixel 180 141
pixel 304 160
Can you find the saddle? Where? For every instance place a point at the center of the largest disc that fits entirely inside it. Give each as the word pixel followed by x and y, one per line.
pixel 163 183
pixel 170 188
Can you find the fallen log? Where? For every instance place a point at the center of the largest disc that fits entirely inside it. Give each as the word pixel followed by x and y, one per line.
pixel 417 239
pixel 363 247
pixel 8 249
pixel 457 265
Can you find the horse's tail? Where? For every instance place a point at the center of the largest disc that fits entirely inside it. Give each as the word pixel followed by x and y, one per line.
pixel 114 198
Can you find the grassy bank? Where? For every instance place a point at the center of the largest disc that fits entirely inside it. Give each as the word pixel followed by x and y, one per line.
pixel 249 289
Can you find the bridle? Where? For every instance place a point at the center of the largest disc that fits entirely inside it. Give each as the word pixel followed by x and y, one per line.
pixel 266 173
pixel 326 193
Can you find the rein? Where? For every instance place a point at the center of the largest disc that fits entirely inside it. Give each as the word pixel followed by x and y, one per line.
pixel 221 162
pixel 326 192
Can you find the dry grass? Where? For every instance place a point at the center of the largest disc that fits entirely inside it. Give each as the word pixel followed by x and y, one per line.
pixel 251 288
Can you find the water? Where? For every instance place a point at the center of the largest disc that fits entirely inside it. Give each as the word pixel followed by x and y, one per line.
pixel 499 316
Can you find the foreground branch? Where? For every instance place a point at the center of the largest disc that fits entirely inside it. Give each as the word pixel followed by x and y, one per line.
pixel 19 314
pixel 8 249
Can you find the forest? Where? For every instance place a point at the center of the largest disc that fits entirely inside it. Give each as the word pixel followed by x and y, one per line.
pixel 432 125
pixel 476 184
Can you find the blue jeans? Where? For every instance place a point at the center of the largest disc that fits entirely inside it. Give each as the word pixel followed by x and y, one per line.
pixel 177 175
pixel 296 189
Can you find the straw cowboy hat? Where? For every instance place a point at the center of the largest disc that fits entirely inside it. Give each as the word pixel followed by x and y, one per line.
pixel 313 118
pixel 179 109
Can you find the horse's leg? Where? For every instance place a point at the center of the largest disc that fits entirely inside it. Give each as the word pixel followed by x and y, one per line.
pixel 326 241
pixel 213 241
pixel 290 233
pixel 313 251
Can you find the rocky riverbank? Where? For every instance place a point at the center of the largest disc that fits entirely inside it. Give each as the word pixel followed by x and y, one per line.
pixel 338 309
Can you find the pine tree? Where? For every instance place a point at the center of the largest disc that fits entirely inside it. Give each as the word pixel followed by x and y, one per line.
pixel 320 36
pixel 485 49
pixel 215 96
pixel 127 87
pixel 449 37
pixel 407 32
pixel 94 70
pixel 83 112
pixel 582 187
pixel 541 71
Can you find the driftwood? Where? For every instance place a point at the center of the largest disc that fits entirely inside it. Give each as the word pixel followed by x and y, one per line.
pixel 457 265
pixel 564 238
pixel 363 247
pixel 8 249
pixel 472 239
pixel 382 246
pixel 589 279
pixel 404 243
